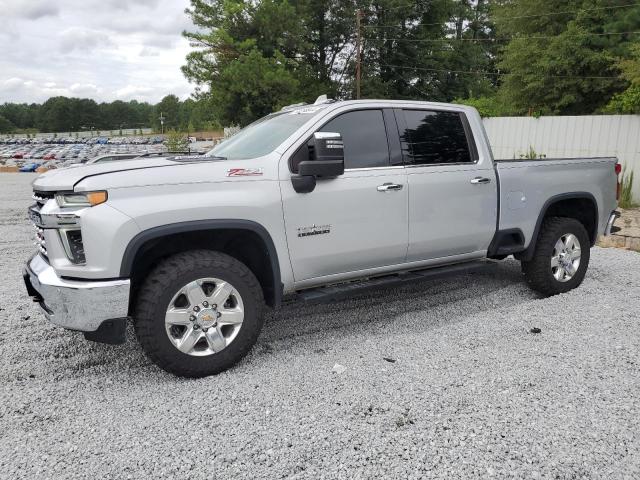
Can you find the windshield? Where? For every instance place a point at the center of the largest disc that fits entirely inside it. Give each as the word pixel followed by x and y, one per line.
pixel 262 136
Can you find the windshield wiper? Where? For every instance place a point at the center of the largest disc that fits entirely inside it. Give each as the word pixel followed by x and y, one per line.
pixel 217 157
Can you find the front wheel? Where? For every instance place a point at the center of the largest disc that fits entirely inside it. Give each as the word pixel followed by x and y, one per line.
pixel 561 257
pixel 199 313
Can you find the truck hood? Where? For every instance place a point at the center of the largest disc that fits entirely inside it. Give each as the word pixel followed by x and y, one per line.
pixel 67 178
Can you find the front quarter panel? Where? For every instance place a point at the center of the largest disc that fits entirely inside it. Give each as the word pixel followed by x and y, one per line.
pixel 182 192
pixel 105 234
pixel 238 199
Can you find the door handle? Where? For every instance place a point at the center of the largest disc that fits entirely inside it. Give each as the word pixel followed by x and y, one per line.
pixel 386 187
pixel 479 180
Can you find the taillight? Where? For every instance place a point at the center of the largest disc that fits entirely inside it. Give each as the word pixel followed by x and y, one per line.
pixel 618 170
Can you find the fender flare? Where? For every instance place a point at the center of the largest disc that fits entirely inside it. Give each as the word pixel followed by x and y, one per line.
pixel 527 254
pixel 134 245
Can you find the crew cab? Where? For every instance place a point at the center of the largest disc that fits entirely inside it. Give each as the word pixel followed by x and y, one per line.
pixel 309 203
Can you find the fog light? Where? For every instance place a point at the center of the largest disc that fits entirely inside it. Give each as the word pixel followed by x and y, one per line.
pixel 72 241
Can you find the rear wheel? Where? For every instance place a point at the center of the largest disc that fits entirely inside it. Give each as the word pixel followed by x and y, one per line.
pixel 199 313
pixel 561 256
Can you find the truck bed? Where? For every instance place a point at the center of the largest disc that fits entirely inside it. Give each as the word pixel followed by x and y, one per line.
pixel 527 187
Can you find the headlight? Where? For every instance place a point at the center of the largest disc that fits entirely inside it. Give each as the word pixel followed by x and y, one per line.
pixel 88 199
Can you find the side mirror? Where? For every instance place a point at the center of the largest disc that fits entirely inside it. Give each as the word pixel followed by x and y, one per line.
pixel 327 152
pixel 328 156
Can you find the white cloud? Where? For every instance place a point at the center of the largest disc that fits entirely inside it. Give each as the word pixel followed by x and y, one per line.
pixel 149 52
pixel 101 49
pixel 83 39
pixel 12 84
pixel 126 4
pixel 170 25
pixel 132 91
pixel 29 9
pixel 84 89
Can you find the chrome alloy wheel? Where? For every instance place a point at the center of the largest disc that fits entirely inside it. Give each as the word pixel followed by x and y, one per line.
pixel 204 317
pixel 566 257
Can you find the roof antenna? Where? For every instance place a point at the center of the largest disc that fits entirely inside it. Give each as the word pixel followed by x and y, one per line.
pixel 321 99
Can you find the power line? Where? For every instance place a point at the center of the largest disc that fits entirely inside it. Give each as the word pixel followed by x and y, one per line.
pixel 536 15
pixel 395 8
pixel 504 39
pixel 497 74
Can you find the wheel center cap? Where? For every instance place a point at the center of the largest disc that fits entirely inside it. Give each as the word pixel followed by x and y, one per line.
pixel 206 317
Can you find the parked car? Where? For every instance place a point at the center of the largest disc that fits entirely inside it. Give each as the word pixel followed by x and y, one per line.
pixel 29 167
pixel 313 202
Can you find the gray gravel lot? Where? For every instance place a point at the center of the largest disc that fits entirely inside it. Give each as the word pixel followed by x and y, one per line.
pixel 472 393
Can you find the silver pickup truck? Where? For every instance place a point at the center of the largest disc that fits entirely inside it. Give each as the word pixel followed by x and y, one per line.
pixel 312 202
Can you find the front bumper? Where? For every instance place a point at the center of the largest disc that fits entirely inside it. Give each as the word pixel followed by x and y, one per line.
pixel 81 305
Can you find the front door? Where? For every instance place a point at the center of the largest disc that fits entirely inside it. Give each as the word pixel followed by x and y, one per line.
pixel 353 222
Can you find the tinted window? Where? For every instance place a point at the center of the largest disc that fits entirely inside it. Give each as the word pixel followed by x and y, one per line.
pixel 364 137
pixel 434 137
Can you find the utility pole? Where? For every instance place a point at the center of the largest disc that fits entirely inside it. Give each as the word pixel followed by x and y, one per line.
pixel 162 123
pixel 358 54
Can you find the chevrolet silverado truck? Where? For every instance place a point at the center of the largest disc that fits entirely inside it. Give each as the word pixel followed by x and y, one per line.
pixel 308 203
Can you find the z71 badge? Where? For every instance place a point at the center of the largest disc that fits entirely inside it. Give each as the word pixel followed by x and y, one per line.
pixel 244 172
pixel 313 230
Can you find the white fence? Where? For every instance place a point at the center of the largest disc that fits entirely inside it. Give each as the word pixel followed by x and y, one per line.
pixel 583 136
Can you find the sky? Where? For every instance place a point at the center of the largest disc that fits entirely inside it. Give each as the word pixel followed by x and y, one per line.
pixel 101 49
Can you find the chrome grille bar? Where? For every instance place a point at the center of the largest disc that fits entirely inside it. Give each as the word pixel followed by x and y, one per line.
pixel 40 242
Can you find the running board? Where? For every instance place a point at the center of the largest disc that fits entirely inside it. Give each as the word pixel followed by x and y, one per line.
pixel 343 290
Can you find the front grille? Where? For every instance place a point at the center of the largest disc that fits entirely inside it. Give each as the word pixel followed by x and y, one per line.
pixel 40 241
pixel 41 198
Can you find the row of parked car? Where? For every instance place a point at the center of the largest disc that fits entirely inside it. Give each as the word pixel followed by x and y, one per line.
pixel 70 140
pixel 31 157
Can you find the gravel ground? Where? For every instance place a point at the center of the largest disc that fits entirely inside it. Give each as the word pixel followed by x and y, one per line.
pixel 467 391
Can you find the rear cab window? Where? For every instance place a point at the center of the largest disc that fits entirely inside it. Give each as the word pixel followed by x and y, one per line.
pixel 435 137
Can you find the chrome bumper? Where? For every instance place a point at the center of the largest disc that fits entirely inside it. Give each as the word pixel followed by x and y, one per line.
pixel 614 215
pixel 75 304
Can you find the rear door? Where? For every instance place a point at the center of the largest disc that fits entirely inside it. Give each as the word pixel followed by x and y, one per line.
pixel 357 221
pixel 452 189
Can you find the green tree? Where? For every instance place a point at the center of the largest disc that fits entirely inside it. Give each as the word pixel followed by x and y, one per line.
pixel 169 108
pixel 21 115
pixel 561 55
pixel 254 57
pixel 54 115
pixel 430 51
pixel 628 101
pixel 266 86
pixel 176 142
pixel 487 106
pixel 5 125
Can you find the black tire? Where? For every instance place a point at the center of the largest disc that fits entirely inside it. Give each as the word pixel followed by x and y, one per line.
pixel 538 271
pixel 165 281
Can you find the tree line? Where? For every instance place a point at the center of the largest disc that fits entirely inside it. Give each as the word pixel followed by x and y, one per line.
pixel 63 114
pixel 506 57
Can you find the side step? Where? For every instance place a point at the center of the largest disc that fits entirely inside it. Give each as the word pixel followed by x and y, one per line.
pixel 343 290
